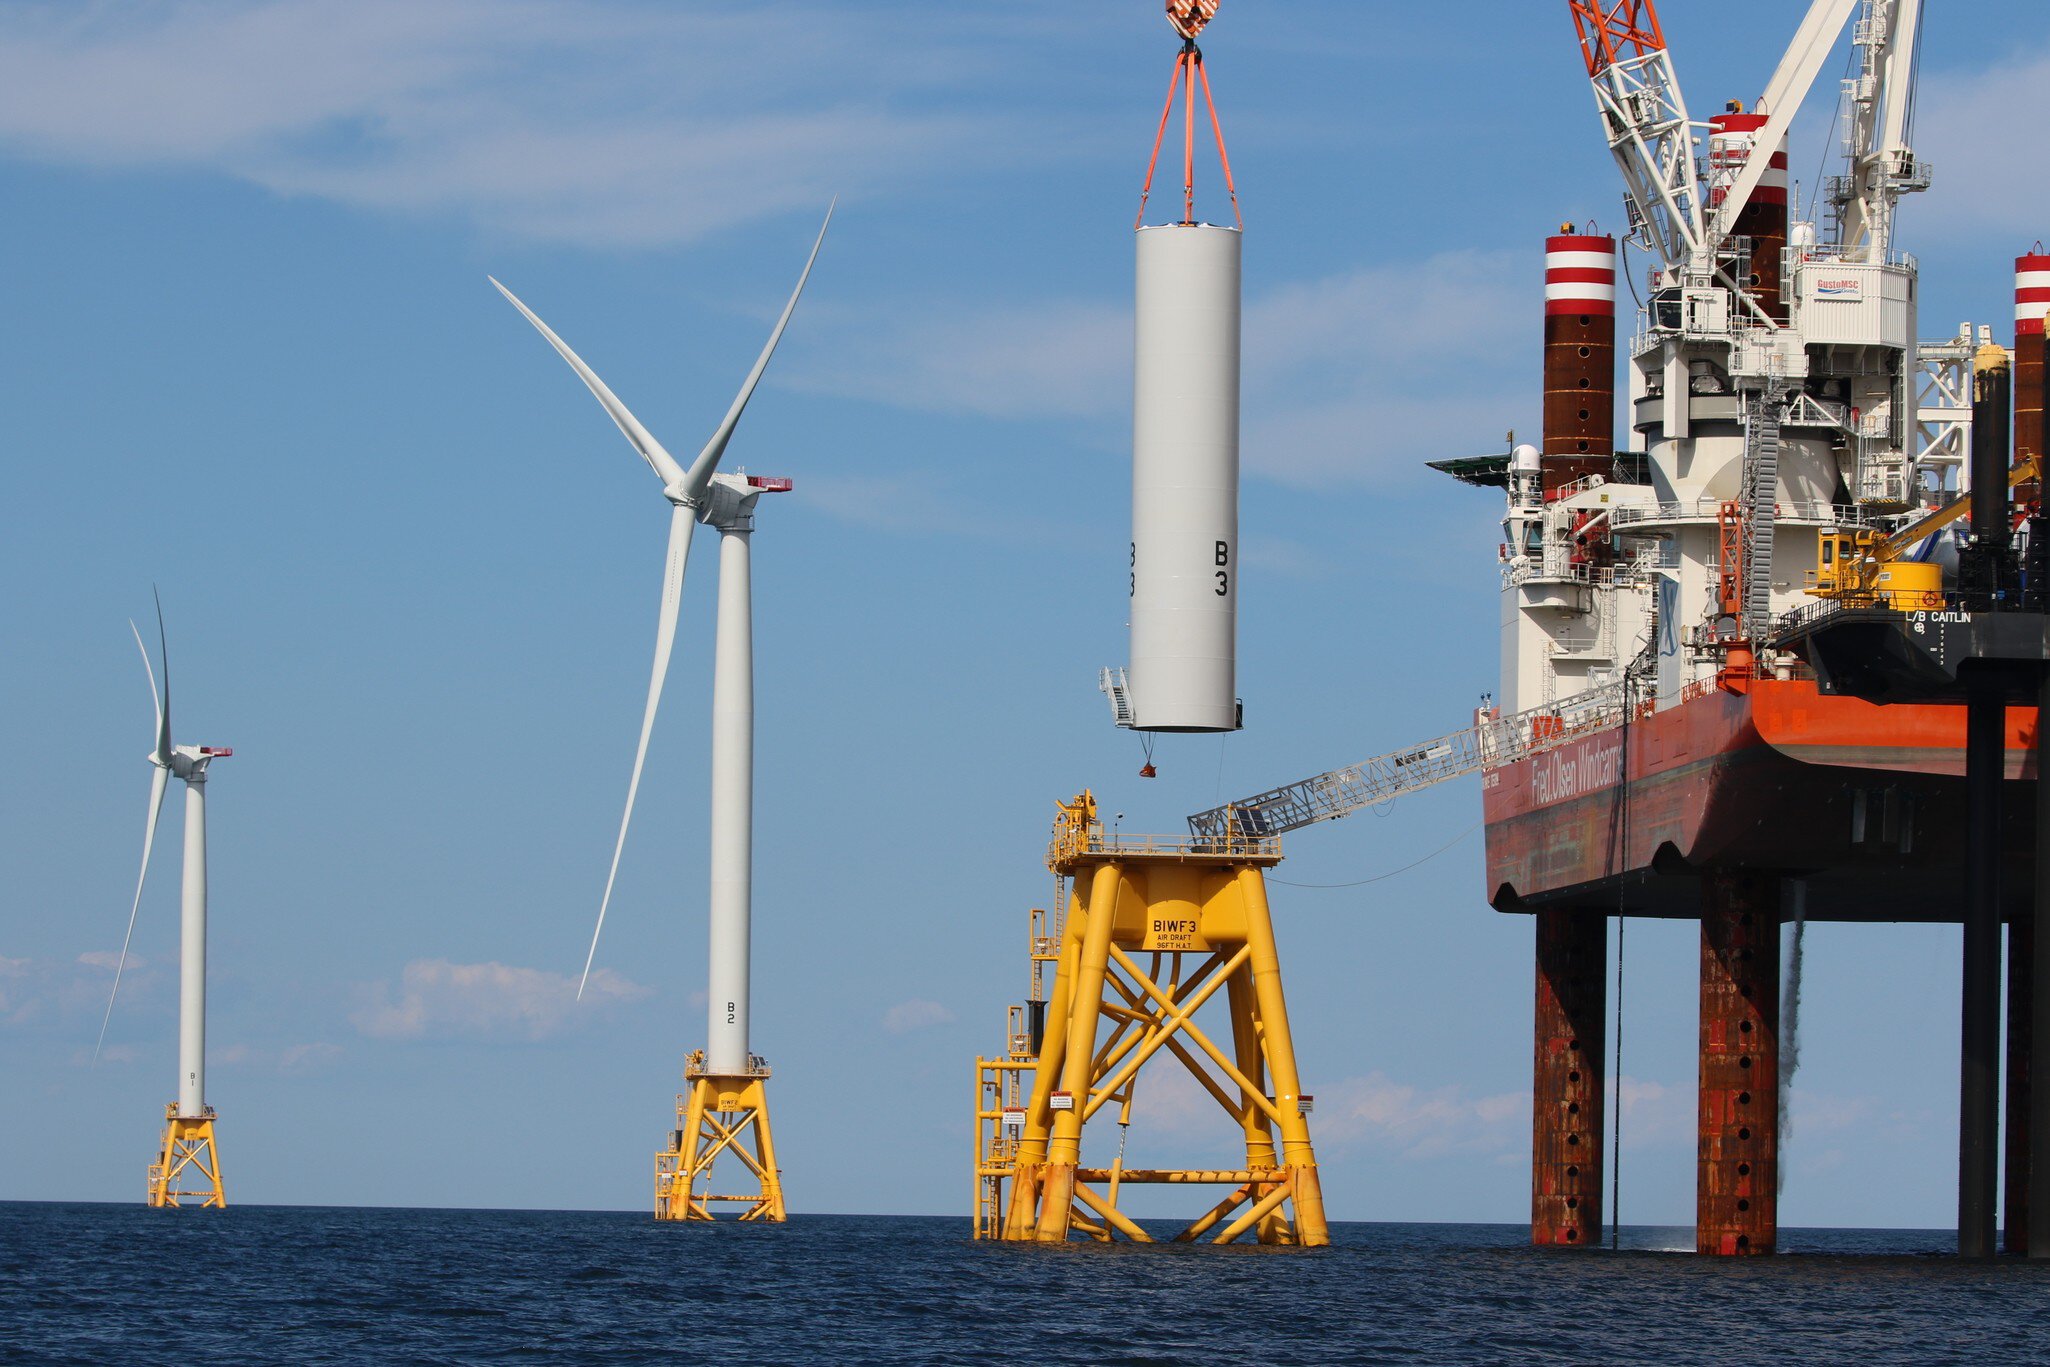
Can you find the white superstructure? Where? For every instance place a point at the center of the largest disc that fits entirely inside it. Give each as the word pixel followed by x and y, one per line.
pixel 1775 385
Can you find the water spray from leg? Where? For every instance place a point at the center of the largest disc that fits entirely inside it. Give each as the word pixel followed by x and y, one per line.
pixel 1790 1016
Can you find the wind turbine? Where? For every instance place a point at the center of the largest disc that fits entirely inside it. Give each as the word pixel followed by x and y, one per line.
pixel 188 1143
pixel 726 1096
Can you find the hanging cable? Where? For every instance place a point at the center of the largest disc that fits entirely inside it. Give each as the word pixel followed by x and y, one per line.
pixel 1360 883
pixel 1622 862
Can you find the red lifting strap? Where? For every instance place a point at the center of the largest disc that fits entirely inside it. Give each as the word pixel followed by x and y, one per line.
pixel 1188 71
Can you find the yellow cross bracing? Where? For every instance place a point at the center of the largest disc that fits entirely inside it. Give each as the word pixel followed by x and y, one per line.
pixel 714 1118
pixel 188 1151
pixel 1172 903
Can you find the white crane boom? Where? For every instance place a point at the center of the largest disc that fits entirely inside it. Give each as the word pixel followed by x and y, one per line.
pixel 1784 96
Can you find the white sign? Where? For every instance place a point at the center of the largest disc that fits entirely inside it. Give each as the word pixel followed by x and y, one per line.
pixel 1849 288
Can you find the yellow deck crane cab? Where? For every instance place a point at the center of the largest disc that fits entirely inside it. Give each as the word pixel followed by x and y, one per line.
pixel 1864 565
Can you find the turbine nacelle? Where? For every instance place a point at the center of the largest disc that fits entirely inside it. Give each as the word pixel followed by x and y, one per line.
pixel 189 762
pixel 729 502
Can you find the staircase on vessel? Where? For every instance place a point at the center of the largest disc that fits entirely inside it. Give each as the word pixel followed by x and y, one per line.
pixel 1761 506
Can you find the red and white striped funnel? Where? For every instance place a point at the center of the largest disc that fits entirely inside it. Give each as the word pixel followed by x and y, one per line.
pixel 2031 293
pixel 1580 274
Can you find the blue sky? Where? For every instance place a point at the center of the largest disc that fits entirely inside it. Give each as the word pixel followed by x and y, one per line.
pixel 411 572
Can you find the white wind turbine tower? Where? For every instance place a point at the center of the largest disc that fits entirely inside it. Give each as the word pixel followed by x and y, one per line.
pixel 188 1144
pixel 726 1096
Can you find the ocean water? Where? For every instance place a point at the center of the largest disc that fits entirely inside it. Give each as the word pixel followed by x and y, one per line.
pixel 120 1284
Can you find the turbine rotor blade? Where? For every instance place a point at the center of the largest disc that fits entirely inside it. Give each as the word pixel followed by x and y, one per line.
pixel 164 654
pixel 160 776
pixel 161 738
pixel 682 523
pixel 659 460
pixel 707 464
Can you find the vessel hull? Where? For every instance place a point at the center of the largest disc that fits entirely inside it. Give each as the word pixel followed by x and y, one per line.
pixel 1865 802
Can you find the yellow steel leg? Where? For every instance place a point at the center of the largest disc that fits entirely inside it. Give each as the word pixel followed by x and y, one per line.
pixel 1245 1035
pixel 1297 1153
pixel 188 1149
pixel 771 1207
pixel 1064 1147
pixel 1023 1216
pixel 1252 1061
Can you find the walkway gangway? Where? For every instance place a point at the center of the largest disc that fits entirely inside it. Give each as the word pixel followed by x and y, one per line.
pixel 1489 742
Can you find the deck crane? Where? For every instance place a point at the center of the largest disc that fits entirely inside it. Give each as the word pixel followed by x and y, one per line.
pixel 1855 561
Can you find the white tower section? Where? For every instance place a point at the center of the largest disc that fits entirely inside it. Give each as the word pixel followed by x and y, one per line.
pixel 192 940
pixel 730 509
pixel 1185 480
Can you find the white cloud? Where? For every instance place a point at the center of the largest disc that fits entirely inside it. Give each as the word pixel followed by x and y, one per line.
pixel 1057 358
pixel 916 1014
pixel 1419 1122
pixel 1967 122
pixel 932 504
pixel 436 999
pixel 601 122
pixel 1347 379
pixel 1374 1111
pixel 1655 1113
pixel 1282 558
pixel 1363 376
pixel 69 995
pixel 292 1058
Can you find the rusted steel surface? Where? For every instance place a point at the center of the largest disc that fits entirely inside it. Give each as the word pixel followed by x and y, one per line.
pixel 1580 396
pixel 2029 374
pixel 1736 1201
pixel 1566 1079
pixel 2021 942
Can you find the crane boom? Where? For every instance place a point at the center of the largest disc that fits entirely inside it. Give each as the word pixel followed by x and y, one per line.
pixel 1638 94
pixel 1784 96
pixel 1914 533
pixel 1490 742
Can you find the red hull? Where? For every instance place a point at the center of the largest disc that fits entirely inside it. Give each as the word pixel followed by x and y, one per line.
pixel 1865 801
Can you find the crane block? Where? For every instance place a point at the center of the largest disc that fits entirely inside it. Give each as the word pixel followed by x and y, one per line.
pixel 1189 16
